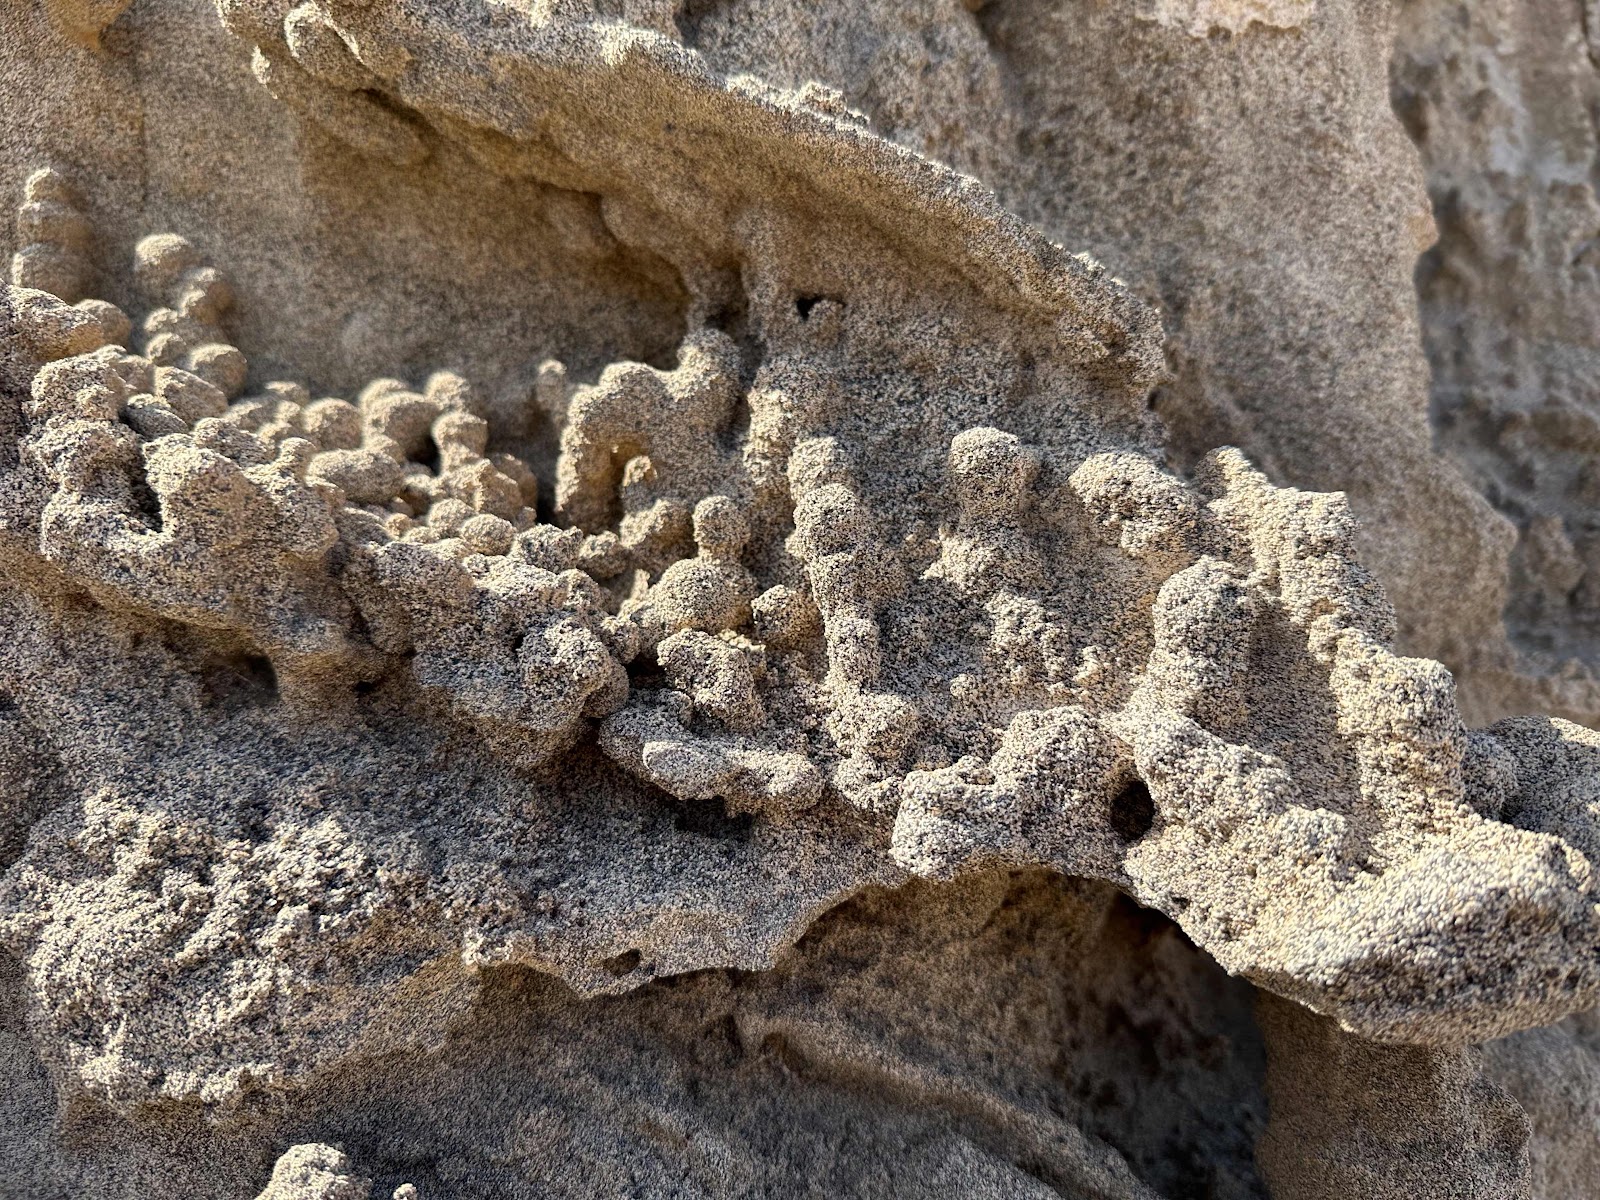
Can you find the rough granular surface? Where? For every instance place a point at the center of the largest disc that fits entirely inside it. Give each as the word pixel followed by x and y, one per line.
pixel 796 598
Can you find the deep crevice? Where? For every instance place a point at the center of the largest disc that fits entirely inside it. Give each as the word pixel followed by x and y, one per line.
pixel 1133 812
pixel 428 456
pixel 145 501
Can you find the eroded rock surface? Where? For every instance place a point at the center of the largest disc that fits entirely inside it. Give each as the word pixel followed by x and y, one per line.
pixel 624 621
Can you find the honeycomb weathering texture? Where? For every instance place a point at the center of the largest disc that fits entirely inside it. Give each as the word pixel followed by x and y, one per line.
pixel 596 599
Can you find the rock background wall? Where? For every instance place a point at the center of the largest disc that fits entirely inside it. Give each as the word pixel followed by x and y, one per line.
pixel 765 688
pixel 1500 102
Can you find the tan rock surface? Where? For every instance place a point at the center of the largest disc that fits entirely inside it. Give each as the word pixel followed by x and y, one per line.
pixel 602 598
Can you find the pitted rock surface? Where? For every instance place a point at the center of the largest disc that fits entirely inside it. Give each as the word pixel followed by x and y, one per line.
pixel 600 598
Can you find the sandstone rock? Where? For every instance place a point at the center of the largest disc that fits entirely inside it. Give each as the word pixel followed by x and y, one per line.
pixel 765 598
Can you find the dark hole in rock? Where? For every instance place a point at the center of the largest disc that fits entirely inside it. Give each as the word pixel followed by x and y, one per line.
pixel 645 673
pixel 428 456
pixel 711 818
pixel 804 304
pixel 241 681
pixel 147 502
pixel 1133 812
pixel 622 964
pixel 732 316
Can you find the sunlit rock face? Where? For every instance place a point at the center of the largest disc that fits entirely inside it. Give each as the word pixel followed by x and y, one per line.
pixel 760 598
